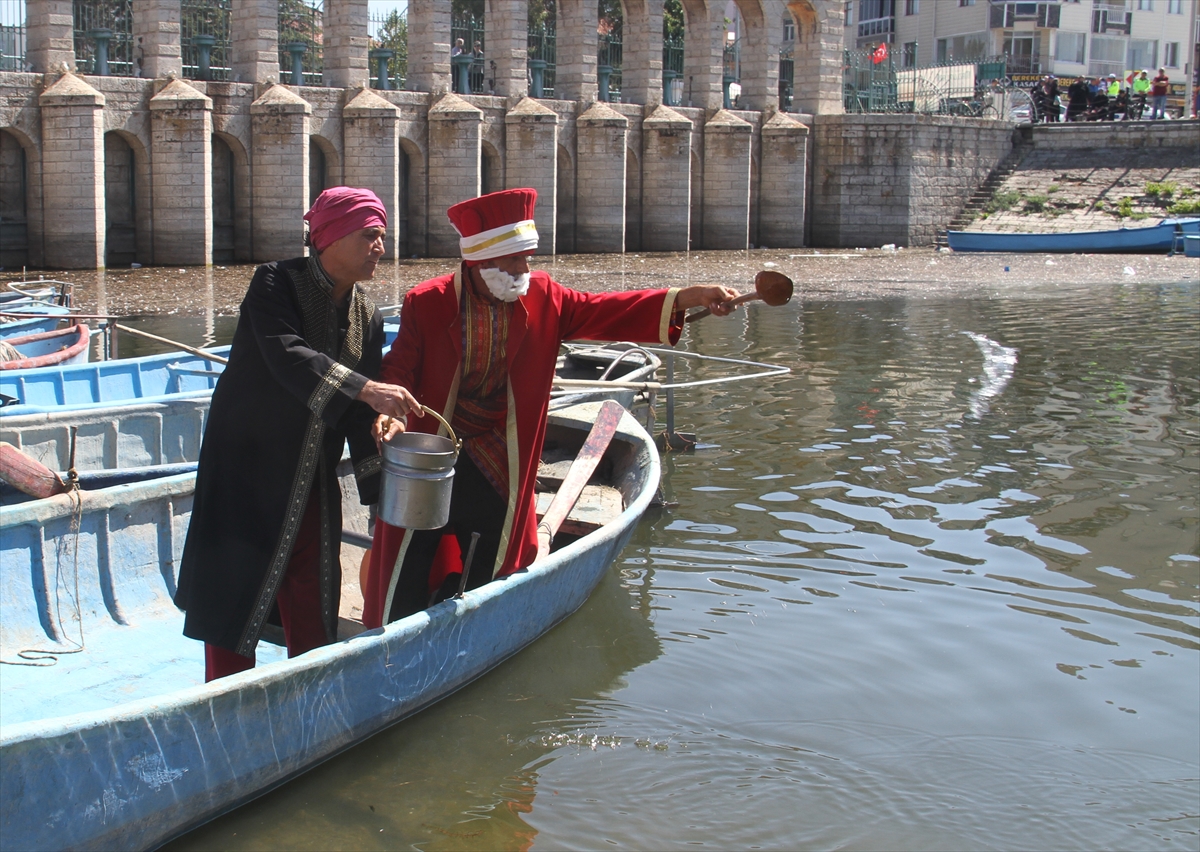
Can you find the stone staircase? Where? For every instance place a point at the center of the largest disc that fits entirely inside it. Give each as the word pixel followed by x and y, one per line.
pixel 1022 145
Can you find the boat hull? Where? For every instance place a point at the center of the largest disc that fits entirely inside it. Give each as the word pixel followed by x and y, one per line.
pixel 141 773
pixel 61 348
pixel 1156 238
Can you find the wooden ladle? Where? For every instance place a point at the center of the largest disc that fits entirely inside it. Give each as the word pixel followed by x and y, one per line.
pixel 770 286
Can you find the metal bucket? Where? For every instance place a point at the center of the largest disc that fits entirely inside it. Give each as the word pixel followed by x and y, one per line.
pixel 418 475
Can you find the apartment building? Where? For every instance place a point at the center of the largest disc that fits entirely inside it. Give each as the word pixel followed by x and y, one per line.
pixel 1060 37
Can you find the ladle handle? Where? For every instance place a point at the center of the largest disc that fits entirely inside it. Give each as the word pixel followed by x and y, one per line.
pixel 745 297
pixel 449 428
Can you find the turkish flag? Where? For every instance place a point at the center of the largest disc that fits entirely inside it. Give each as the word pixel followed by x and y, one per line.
pixel 879 54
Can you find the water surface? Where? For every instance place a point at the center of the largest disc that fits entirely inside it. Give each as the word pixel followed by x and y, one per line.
pixel 937 588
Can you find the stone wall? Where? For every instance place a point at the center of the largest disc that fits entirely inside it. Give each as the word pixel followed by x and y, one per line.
pixel 194 172
pixel 880 179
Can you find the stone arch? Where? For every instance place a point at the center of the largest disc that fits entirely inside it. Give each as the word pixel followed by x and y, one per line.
pixel 564 203
pixel 696 210
pixel 413 200
pixel 491 168
pixel 14 200
pixel 126 199
pixel 324 168
pixel 231 200
pixel 633 201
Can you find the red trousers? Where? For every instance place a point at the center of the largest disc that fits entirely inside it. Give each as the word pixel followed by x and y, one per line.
pixel 299 600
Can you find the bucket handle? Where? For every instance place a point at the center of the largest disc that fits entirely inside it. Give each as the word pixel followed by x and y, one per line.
pixel 449 428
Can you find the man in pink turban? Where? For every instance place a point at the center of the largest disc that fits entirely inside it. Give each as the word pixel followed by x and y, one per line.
pixel 265 531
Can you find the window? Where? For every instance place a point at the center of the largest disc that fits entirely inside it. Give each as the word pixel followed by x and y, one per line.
pixel 964 48
pixel 1174 7
pixel 1145 5
pixel 789 30
pixel 966 2
pixel 1070 48
pixel 1171 54
pixel 1143 54
pixel 912 7
pixel 1107 49
pixel 849 13
pixel 910 54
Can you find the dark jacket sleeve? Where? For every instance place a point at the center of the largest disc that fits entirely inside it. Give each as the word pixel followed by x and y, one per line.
pixel 321 383
pixel 356 421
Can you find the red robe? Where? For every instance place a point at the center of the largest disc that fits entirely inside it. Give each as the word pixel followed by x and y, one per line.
pixel 426 358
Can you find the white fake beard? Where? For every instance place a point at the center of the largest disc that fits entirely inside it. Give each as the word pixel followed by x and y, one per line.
pixel 503 286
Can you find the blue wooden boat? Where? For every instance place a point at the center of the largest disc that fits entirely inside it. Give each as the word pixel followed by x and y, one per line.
pixel 62 347
pixel 1152 239
pixel 121 746
pixel 14 321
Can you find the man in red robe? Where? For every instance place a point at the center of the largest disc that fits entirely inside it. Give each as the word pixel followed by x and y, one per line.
pixel 479 346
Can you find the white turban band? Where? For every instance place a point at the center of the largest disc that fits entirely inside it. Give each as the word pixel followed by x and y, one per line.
pixel 498 242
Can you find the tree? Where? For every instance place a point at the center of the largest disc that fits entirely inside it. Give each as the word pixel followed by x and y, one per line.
pixel 673 21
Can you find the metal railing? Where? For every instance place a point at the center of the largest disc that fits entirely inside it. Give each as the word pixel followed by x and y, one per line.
pixel 104 37
pixel 673 71
pixel 542 50
pixel 610 54
pixel 301 22
pixel 470 28
pixel 390 32
pixel 12 35
pixel 204 37
pixel 962 89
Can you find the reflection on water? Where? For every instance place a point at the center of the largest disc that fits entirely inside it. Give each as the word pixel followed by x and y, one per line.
pixel 938 588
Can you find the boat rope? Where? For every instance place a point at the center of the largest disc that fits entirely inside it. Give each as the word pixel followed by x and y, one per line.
pixel 48 657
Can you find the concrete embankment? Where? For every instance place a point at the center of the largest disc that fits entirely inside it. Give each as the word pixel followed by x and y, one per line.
pixel 1091 177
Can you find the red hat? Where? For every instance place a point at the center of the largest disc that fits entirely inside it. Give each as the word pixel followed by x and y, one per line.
pixel 342 210
pixel 498 224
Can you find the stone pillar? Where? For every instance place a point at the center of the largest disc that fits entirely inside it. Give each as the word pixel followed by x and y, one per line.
pixel 73 174
pixel 254 26
pixel 506 23
pixel 641 71
pixel 820 37
pixel 346 44
pixel 576 44
pixel 279 173
pixel 455 134
pixel 782 182
pixel 761 40
pixel 703 56
pixel 429 46
pixel 601 135
pixel 181 151
pixel 156 50
pixel 50 34
pixel 531 143
pixel 666 180
pixel 370 129
pixel 727 182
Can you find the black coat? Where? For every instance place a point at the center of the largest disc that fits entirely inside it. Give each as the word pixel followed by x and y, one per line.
pixel 281 414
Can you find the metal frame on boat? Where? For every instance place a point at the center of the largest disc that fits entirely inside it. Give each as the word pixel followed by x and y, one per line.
pixel 164 756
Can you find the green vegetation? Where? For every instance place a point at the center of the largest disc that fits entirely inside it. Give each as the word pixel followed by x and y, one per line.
pixel 1035 203
pixel 1002 201
pixel 1052 188
pixel 1125 208
pixel 1185 208
pixel 1162 190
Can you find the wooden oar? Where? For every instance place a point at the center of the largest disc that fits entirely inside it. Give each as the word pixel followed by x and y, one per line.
pixel 770 286
pixel 579 473
pixel 191 349
pixel 28 475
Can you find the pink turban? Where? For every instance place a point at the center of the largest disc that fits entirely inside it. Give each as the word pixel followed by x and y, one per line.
pixel 342 210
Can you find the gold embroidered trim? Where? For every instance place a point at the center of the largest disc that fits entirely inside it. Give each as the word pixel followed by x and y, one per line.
pixel 664 321
pixel 367 467
pixel 329 385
